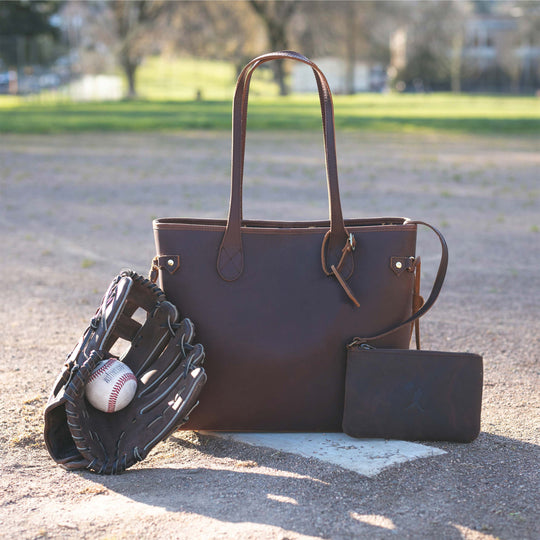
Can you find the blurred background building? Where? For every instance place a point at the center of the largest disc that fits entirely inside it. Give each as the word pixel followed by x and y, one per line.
pixel 95 49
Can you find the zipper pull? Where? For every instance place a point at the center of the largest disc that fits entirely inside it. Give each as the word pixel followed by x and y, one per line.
pixel 361 343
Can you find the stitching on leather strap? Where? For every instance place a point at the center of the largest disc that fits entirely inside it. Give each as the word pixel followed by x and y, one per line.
pixel 230 260
pixel 227 260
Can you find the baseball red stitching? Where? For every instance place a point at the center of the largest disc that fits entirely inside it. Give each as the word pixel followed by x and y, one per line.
pixel 100 370
pixel 116 390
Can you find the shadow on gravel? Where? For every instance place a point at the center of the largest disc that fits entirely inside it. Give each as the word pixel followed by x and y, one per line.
pixel 486 486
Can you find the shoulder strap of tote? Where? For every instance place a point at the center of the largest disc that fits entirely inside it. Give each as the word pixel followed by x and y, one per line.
pixel 436 289
pixel 230 256
pixel 240 105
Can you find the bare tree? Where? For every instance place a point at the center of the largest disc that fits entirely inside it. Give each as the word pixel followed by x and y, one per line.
pixel 455 60
pixel 216 29
pixel 515 47
pixel 137 25
pixel 353 31
pixel 127 30
pixel 276 15
pixel 433 44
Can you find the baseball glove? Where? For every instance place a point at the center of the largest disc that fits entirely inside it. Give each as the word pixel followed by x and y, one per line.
pixel 166 363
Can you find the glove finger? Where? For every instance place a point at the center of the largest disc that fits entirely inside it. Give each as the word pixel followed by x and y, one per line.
pixel 110 310
pixel 187 328
pixel 151 339
pixel 173 412
pixel 177 349
pixel 144 294
pixel 168 386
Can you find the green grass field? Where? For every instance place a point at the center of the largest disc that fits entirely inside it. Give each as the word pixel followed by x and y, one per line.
pixel 169 89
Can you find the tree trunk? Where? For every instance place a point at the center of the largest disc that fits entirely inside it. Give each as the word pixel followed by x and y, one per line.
pixel 130 69
pixel 275 16
pixel 455 63
pixel 279 75
pixel 278 42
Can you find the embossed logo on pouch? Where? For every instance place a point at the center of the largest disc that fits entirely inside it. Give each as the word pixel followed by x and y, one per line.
pixel 415 399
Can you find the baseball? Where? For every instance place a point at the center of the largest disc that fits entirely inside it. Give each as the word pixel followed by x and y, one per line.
pixel 111 386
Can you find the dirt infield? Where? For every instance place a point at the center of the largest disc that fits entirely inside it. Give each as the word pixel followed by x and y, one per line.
pixel 75 209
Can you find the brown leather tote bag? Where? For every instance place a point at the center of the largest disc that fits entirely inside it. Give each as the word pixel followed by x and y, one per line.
pixel 275 303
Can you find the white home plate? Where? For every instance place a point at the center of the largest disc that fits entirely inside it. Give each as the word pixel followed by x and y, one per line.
pixel 364 456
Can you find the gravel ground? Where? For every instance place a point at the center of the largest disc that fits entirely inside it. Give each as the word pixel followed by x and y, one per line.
pixel 74 209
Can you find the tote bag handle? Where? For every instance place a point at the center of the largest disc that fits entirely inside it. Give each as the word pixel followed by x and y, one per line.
pixel 230 262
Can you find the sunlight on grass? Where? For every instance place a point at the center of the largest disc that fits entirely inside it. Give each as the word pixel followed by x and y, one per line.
pixel 162 78
pixel 7 102
pixel 169 89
